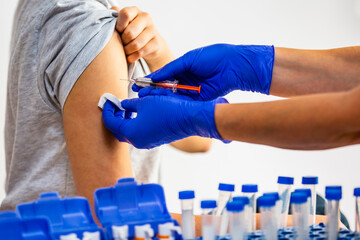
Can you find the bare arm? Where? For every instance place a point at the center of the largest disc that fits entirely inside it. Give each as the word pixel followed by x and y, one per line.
pixel 97 158
pixel 318 121
pixel 301 72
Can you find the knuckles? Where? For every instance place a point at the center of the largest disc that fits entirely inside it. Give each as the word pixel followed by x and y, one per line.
pixel 125 14
pixel 129 34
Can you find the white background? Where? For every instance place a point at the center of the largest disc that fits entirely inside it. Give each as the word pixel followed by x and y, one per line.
pixel 189 24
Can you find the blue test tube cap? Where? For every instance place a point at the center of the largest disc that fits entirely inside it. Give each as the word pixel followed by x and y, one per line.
pixel 243 199
pixel 310 180
pixel 275 195
pixel 306 191
pixel 333 193
pixel 285 180
pixel 186 195
pixel 205 204
pixel 226 187
pixel 357 192
pixel 249 188
pixel 298 197
pixel 235 206
pixel 266 201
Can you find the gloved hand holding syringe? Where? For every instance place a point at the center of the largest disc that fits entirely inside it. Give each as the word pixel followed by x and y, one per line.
pixel 171 85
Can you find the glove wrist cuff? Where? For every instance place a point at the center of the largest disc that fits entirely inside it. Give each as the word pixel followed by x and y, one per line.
pixel 255 67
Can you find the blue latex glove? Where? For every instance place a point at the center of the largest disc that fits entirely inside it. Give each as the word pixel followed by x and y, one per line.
pixel 221 69
pixel 160 119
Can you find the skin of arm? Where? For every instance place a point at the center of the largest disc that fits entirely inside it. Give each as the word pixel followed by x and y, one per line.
pixel 312 122
pixel 97 158
pixel 301 72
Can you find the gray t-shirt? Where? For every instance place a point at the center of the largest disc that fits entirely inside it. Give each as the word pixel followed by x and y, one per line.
pixel 53 41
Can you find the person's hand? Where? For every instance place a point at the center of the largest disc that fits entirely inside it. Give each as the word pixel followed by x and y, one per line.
pixel 140 37
pixel 160 119
pixel 220 69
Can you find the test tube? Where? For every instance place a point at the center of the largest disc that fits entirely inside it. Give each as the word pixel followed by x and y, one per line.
pixel 91 236
pixel 144 232
pixel 167 231
pixel 237 221
pixel 250 190
pixel 247 212
pixel 307 192
pixel 277 209
pixel 311 182
pixel 284 193
pixel 187 214
pixel 333 195
pixel 208 221
pixel 71 236
pixel 225 195
pixel 267 222
pixel 357 209
pixel 120 232
pixel 300 213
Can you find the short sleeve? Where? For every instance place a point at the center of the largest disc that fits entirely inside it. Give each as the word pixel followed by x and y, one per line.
pixel 72 34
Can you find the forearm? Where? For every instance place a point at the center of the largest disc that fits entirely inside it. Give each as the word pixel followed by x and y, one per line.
pixel 310 122
pixel 300 72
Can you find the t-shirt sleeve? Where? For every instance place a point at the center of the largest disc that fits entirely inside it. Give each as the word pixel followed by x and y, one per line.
pixel 72 34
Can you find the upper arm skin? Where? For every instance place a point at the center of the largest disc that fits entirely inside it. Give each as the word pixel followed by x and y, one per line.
pixel 97 158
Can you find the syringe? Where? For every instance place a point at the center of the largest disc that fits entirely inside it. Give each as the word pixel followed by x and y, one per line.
pixel 172 85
